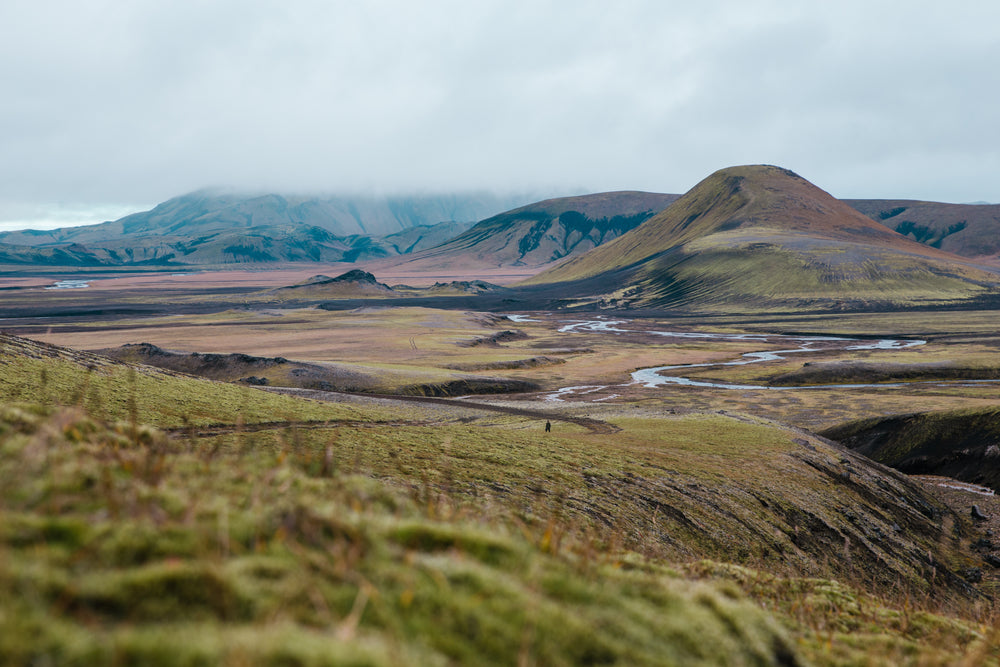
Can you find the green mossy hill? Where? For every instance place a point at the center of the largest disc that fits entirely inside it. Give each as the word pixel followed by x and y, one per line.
pixel 964 444
pixel 116 551
pixel 763 237
pixel 116 391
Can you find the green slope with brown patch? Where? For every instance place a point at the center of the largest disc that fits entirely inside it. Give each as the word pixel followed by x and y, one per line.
pixel 761 237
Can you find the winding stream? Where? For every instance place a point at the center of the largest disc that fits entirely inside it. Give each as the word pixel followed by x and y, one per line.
pixel 656 376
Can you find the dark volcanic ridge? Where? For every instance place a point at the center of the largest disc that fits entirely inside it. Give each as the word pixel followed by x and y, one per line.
pixel 361 284
pixel 352 283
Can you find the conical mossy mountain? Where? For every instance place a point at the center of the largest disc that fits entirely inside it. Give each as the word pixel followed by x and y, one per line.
pixel 762 236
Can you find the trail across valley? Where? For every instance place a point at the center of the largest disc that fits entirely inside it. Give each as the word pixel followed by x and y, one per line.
pixel 592 425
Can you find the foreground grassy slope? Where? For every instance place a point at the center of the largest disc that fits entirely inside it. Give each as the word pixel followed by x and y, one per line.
pixel 115 391
pixel 676 489
pixel 169 552
pixel 164 554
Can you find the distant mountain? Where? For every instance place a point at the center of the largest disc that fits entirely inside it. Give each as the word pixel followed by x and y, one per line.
pixel 206 228
pixel 69 255
pixel 207 212
pixel 970 230
pixel 410 240
pixel 542 232
pixel 253 245
pixel 763 237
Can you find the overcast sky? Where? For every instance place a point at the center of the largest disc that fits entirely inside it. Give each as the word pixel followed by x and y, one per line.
pixel 107 107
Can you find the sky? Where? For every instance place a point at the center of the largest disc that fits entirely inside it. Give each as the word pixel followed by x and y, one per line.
pixel 111 106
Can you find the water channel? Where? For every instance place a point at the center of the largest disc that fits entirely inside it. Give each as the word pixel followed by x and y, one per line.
pixel 659 376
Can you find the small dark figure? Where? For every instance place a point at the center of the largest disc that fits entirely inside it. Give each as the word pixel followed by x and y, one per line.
pixel 548 426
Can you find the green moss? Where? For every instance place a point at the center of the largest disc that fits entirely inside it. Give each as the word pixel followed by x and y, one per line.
pixel 423 537
pixel 426 545
pixel 111 391
pixel 268 563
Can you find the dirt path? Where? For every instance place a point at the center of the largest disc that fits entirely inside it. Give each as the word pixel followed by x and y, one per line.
pixel 592 425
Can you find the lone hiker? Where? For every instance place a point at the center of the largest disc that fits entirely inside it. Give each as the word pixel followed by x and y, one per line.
pixel 548 426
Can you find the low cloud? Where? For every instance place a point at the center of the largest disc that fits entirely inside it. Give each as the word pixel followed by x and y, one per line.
pixel 140 101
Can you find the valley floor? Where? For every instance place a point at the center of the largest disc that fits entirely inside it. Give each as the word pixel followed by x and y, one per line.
pixel 316 516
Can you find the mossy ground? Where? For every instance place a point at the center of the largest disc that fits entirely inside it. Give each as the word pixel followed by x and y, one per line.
pixel 340 533
pixel 121 392
pixel 174 552
pixel 121 552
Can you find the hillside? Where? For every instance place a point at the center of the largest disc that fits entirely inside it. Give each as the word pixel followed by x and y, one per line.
pixel 352 284
pixel 963 444
pixel 763 237
pixel 969 230
pixel 543 232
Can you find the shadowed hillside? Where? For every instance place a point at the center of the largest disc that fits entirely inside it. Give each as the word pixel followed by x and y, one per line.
pixel 964 444
pixel 763 237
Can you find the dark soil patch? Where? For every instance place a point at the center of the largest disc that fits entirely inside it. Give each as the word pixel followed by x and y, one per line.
pixel 845 372
pixel 963 444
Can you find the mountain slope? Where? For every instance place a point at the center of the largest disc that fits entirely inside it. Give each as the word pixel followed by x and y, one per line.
pixel 207 212
pixel 543 232
pixel 763 237
pixel 206 228
pixel 970 230
pixel 252 245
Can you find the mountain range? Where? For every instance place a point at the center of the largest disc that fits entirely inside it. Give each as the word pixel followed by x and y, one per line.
pixel 749 235
pixel 217 230
pixel 209 228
